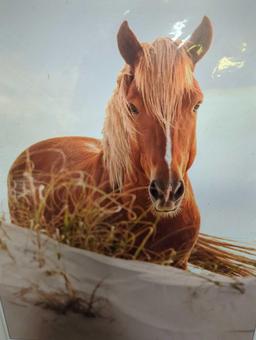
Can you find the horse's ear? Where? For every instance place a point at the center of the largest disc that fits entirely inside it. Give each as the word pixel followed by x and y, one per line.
pixel 128 45
pixel 200 40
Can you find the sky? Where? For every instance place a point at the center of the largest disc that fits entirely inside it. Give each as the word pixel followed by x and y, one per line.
pixel 59 62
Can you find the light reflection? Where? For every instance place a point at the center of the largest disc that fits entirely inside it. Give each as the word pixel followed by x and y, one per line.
pixel 226 63
pixel 177 29
pixel 126 12
pixel 244 47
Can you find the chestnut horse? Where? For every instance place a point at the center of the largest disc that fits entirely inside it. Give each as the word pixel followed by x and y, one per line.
pixel 149 140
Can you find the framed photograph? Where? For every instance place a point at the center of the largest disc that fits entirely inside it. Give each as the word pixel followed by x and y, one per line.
pixel 127 170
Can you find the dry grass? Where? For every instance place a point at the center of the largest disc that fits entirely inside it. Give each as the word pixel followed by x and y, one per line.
pixel 100 225
pixel 65 300
pixel 222 256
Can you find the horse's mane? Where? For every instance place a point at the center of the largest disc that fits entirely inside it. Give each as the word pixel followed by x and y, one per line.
pixel 163 75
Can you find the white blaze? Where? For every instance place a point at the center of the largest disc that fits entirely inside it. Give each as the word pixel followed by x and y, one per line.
pixel 168 150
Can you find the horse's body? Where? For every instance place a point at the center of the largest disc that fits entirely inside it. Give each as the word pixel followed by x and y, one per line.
pixel 148 145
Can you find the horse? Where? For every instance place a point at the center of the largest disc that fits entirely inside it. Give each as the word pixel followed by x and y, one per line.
pixel 148 144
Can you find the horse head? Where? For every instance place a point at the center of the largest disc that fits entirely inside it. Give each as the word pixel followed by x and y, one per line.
pixel 151 122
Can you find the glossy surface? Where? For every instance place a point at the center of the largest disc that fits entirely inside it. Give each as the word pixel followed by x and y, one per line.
pixel 58 64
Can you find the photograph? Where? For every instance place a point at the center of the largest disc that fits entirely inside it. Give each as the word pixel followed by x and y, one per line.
pixel 127 170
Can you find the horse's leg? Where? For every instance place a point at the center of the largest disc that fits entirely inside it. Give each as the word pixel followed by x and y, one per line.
pixel 182 260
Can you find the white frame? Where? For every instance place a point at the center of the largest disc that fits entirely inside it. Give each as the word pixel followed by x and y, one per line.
pixel 4 334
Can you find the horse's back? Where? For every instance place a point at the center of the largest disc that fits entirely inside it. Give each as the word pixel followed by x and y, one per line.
pixel 55 153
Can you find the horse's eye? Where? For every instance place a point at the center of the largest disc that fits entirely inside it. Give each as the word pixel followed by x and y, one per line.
pixel 196 107
pixel 133 109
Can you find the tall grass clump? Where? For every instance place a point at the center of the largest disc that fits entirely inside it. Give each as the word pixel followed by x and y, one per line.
pixel 70 208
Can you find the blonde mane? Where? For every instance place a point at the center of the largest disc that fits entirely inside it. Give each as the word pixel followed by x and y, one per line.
pixel 163 75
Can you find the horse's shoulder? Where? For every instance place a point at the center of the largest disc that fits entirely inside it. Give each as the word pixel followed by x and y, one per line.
pixel 64 141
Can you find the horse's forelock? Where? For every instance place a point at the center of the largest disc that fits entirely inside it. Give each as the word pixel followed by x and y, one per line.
pixel 163 75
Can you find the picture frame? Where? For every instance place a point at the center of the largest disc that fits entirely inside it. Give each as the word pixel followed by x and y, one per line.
pixel 4 333
pixel 58 66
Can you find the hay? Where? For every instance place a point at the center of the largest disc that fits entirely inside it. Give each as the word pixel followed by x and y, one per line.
pixel 91 226
pixel 222 256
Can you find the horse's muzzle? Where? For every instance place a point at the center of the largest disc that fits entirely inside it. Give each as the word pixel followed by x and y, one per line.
pixel 166 198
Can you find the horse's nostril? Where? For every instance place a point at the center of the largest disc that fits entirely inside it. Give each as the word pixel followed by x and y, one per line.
pixel 179 190
pixel 154 190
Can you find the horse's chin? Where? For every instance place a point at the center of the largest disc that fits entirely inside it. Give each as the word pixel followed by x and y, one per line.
pixel 166 213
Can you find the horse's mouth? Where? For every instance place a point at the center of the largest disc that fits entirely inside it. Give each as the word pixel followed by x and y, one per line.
pixel 165 210
pixel 165 213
